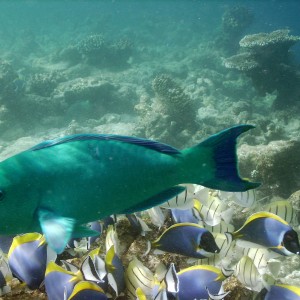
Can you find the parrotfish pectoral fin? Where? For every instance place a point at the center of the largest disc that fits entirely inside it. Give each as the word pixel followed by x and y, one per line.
pixel 156 199
pixel 57 229
pixel 81 231
pixel 220 153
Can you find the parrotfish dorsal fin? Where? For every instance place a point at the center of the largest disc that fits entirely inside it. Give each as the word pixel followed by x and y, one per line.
pixel 154 145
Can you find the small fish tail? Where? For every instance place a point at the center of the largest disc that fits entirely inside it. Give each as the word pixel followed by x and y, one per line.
pixel 213 163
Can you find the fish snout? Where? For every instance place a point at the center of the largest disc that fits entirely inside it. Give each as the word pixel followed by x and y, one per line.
pixel 208 243
pixel 291 241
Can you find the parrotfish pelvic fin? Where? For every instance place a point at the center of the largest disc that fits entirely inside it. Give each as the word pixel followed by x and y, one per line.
pixel 81 231
pixel 218 158
pixel 57 229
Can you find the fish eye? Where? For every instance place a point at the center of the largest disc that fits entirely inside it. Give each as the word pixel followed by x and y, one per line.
pixel 2 194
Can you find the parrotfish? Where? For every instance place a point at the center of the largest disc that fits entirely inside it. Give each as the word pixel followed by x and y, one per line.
pixel 58 185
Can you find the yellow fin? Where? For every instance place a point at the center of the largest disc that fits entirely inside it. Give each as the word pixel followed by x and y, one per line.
pixel 294 289
pixel 26 238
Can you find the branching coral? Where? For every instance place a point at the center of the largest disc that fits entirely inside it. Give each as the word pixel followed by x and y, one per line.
pixel 174 102
pixel 171 118
pixel 93 48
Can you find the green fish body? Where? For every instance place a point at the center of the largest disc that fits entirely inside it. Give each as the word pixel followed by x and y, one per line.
pixel 58 185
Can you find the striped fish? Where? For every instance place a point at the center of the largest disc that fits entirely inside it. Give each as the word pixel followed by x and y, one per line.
pixel 248 275
pixel 157 216
pixel 112 240
pixel 138 277
pixel 213 260
pixel 222 227
pixel 184 200
pixel 224 243
pixel 259 256
pixel 283 209
pixel 245 199
pixel 214 210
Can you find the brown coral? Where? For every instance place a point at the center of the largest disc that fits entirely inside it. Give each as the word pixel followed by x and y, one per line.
pixel 175 103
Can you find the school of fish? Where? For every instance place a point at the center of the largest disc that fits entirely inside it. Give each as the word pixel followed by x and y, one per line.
pixel 149 184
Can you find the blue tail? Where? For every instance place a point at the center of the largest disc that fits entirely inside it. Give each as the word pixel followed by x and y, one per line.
pixel 217 156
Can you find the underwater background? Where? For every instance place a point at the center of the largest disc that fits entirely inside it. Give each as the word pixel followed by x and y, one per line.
pixel 172 71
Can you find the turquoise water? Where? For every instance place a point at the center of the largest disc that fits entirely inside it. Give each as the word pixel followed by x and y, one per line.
pixel 185 39
pixel 172 71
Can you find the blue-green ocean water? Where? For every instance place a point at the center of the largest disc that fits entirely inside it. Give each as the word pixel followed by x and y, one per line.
pixel 163 34
pixel 159 70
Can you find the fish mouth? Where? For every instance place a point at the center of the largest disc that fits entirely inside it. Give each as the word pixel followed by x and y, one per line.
pixel 291 241
pixel 208 243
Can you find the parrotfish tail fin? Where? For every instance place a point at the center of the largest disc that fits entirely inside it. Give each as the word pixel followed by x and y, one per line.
pixel 218 160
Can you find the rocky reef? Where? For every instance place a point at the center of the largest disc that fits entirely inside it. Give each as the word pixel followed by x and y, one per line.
pixel 98 51
pixel 43 84
pixel 276 165
pixel 266 59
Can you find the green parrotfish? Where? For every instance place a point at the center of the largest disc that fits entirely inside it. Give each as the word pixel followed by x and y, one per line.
pixel 59 185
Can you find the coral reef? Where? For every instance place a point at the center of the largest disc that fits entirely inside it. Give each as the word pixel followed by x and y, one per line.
pixel 234 22
pixel 84 89
pixel 276 165
pixel 43 84
pixel 277 42
pixel 7 75
pixel 8 82
pixel 120 52
pixel 174 102
pixel 236 19
pixel 294 199
pixel 244 62
pixel 172 117
pixel 92 97
pixel 267 61
pixel 69 54
pixel 95 50
pixel 237 290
